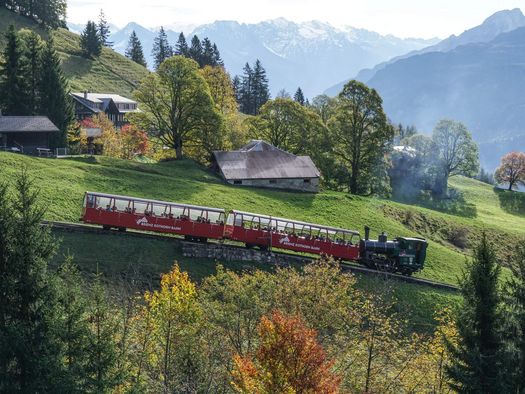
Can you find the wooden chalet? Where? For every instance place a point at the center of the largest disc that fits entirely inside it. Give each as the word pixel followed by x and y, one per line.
pixel 116 107
pixel 26 134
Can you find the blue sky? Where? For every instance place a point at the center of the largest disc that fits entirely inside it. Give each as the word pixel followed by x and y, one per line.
pixel 404 18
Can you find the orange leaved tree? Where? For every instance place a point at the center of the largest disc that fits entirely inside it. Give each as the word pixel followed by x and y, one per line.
pixel 511 170
pixel 288 360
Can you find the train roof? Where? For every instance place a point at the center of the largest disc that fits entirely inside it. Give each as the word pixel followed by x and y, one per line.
pixel 297 222
pixel 156 202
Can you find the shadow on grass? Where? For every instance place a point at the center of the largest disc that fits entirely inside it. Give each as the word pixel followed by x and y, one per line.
pixel 512 202
pixel 454 204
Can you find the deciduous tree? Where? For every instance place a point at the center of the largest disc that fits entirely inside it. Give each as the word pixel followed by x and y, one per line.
pixel 176 104
pixel 361 136
pixel 455 151
pixel 287 125
pixel 511 170
pixel 288 360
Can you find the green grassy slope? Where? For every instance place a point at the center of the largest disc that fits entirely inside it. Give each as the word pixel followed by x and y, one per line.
pixel 110 73
pixel 63 182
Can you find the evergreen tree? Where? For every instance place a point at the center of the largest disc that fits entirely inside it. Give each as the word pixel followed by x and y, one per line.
pixel 74 334
pixel 196 52
pixel 161 48
pixel 217 56
pixel 49 13
pixel 299 97
pixel 56 102
pixel 477 359
pixel 134 50
pixel 182 46
pixel 260 89
pixel 237 89
pixel 515 330
pixel 29 351
pixel 245 94
pixel 103 30
pixel 102 355
pixel 33 55
pixel 14 99
pixel 208 55
pixel 90 40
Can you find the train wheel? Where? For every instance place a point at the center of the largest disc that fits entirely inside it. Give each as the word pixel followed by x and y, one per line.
pixel 106 227
pixel 188 238
pixel 264 248
pixel 122 229
pixel 249 246
pixel 203 239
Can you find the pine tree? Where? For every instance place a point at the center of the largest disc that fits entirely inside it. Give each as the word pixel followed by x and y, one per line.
pixel 196 52
pixel 134 50
pixel 237 89
pixel 477 359
pixel 103 30
pixel 515 330
pixel 29 351
pixel 161 48
pixel 33 55
pixel 299 97
pixel 74 334
pixel 56 103
pixel 260 89
pixel 217 56
pixel 182 46
pixel 208 56
pixel 102 353
pixel 90 40
pixel 246 91
pixel 14 99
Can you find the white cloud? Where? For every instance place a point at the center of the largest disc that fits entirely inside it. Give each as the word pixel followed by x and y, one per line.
pixel 405 18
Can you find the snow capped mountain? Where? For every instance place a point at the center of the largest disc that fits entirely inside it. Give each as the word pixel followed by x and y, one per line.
pixel 312 54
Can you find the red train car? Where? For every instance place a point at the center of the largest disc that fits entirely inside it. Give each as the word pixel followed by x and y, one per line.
pixel 121 212
pixel 269 232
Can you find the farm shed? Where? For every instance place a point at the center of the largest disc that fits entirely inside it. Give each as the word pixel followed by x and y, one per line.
pixel 261 164
pixel 26 134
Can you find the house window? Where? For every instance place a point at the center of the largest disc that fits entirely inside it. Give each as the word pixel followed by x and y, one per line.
pixel 306 180
pixel 237 182
pixel 272 181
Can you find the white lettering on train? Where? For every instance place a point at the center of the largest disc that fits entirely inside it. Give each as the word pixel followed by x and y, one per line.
pixel 143 222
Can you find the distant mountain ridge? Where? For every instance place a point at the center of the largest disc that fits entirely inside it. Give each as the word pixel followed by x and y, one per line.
pixel 312 54
pixel 479 84
pixel 496 24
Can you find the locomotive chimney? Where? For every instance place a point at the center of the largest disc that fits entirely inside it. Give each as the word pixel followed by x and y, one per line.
pixel 367 233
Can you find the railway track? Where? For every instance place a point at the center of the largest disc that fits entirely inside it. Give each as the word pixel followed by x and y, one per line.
pixel 83 228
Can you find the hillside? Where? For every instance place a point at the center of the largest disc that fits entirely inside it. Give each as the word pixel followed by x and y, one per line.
pixel 111 72
pixel 63 182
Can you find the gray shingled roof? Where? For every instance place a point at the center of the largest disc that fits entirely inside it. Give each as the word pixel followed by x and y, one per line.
pixel 33 124
pixel 265 163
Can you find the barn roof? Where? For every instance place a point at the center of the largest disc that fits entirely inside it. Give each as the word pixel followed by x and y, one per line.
pixel 28 124
pixel 260 160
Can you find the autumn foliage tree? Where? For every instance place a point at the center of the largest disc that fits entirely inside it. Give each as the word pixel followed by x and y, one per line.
pixel 288 360
pixel 511 170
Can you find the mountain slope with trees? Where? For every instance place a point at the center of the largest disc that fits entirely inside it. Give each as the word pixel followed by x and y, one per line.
pixel 110 72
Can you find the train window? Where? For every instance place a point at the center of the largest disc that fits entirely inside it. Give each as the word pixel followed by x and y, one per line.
pixel 104 202
pixel 159 210
pixel 195 214
pixel 91 201
pixel 272 181
pixel 120 205
pixel 238 220
pixel 140 207
pixel 237 182
pixel 177 211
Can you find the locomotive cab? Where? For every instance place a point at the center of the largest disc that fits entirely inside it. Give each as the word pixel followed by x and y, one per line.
pixel 404 255
pixel 411 254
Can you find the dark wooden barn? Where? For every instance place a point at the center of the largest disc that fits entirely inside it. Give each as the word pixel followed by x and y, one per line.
pixel 26 134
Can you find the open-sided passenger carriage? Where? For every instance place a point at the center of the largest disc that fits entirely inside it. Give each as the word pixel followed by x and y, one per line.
pixel 270 232
pixel 121 212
